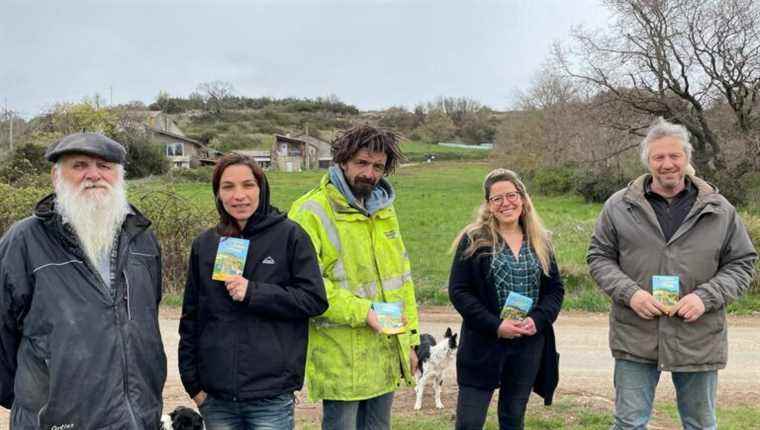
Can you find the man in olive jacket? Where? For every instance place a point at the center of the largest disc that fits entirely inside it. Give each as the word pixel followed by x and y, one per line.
pixel 669 223
pixel 81 282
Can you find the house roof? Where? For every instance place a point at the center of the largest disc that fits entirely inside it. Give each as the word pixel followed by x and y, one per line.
pixel 178 137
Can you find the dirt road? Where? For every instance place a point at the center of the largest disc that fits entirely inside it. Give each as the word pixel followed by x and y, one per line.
pixel 585 364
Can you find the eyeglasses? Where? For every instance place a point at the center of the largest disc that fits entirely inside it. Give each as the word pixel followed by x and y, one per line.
pixel 510 197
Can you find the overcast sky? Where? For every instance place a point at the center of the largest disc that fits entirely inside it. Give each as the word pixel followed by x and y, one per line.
pixel 370 53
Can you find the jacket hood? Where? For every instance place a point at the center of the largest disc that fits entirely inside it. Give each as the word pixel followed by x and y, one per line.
pixel 266 215
pixel 381 197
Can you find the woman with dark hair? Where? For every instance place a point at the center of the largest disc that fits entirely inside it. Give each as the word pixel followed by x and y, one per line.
pixel 242 348
pixel 504 256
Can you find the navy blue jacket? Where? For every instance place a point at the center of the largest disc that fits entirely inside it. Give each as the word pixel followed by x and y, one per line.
pixel 73 355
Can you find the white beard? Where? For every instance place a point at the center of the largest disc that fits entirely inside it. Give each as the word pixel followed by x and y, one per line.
pixel 96 214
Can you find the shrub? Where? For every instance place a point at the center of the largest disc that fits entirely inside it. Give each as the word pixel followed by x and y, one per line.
pixel 17 203
pixel 553 180
pixel 24 162
pixel 176 222
pixel 598 186
pixel 145 157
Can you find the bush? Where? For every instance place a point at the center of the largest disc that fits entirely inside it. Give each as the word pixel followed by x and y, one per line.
pixel 176 222
pixel 17 203
pixel 145 157
pixel 598 186
pixel 553 180
pixel 25 162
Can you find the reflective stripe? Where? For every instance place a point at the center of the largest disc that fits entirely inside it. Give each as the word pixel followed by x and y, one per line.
pixel 397 282
pixel 367 291
pixel 327 223
pixel 339 269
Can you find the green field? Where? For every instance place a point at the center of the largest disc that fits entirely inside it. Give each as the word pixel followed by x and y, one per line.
pixel 434 202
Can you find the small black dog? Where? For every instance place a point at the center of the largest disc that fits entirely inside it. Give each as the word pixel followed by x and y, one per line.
pixel 182 418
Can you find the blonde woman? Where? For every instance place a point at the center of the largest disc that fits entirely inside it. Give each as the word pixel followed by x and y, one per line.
pixel 505 250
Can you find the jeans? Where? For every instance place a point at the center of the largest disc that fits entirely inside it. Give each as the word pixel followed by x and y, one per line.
pixel 635 385
pixel 517 377
pixel 369 414
pixel 273 413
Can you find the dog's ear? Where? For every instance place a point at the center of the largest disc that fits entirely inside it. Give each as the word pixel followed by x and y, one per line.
pixel 448 332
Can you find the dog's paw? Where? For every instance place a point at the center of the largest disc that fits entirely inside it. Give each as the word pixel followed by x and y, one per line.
pixel 418 406
pixel 438 405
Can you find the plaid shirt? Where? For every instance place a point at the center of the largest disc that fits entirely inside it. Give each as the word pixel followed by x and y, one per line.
pixel 521 275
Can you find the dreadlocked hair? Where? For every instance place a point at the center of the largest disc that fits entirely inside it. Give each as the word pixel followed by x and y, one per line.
pixel 373 139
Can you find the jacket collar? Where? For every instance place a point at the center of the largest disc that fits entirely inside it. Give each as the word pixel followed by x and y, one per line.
pixel 706 192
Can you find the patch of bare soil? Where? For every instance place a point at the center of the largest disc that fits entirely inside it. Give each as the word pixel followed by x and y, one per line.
pixel 585 367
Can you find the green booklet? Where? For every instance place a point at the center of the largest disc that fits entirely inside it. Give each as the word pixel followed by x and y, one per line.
pixel 666 290
pixel 516 307
pixel 230 258
pixel 390 316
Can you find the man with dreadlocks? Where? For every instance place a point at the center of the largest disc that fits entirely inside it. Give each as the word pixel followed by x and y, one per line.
pixel 352 366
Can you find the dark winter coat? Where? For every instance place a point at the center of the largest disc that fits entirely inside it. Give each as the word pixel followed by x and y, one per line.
pixel 72 355
pixel 256 348
pixel 481 354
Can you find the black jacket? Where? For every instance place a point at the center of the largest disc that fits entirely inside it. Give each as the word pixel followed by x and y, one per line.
pixel 72 355
pixel 256 348
pixel 481 353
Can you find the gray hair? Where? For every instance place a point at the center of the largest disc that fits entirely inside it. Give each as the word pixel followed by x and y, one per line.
pixel 661 128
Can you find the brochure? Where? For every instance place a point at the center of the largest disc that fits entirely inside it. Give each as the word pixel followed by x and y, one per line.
pixel 516 307
pixel 390 316
pixel 230 258
pixel 665 290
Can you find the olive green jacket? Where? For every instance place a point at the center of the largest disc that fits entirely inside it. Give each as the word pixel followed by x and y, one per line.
pixel 710 252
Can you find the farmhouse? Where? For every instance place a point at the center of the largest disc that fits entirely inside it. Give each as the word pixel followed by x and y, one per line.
pixel 293 154
pixel 181 151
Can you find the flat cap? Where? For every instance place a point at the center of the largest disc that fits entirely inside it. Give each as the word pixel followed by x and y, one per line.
pixel 94 144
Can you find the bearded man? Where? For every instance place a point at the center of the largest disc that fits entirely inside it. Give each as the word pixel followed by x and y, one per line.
pixel 81 282
pixel 354 367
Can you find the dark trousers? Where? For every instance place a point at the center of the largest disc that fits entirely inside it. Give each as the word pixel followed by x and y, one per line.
pixel 517 376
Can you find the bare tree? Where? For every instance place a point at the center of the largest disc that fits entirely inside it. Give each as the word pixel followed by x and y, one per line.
pixel 676 59
pixel 215 94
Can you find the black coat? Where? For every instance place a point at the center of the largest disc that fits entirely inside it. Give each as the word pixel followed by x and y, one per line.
pixel 72 355
pixel 481 353
pixel 256 348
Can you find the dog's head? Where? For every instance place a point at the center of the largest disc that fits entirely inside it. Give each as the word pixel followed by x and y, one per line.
pixel 451 337
pixel 186 419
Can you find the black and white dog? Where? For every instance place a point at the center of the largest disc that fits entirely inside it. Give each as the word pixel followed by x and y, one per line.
pixel 434 358
pixel 182 418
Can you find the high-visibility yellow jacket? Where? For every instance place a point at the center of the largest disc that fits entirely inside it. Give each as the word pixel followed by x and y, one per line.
pixel 363 260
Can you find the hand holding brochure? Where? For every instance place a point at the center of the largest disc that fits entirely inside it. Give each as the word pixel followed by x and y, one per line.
pixel 665 290
pixel 516 307
pixel 390 316
pixel 230 258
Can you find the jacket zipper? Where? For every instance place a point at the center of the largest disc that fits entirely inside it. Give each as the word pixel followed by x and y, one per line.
pixel 124 366
pixel 126 296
